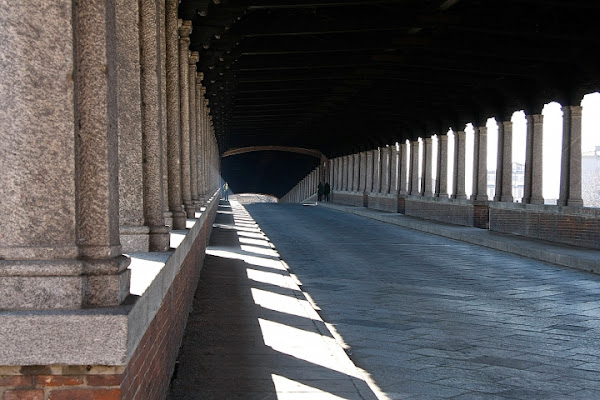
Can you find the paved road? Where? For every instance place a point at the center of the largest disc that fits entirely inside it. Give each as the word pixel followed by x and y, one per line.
pixel 252 333
pixel 432 318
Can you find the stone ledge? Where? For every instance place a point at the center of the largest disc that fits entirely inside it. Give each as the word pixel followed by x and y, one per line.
pixel 97 336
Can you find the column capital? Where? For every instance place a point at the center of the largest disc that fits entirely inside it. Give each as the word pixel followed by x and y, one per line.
pixel 194 57
pixel 200 76
pixel 185 29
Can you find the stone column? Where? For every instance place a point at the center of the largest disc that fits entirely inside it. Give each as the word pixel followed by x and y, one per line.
pixel 385 170
pixel 162 60
pixel 442 175
pixel 507 163
pixel 173 118
pixel 534 163
pixel 199 137
pixel 362 186
pixel 480 165
pixel 427 167
pixel 184 99
pixel 133 232
pixel 395 170
pixel 345 173
pixel 50 121
pixel 152 127
pixel 570 174
pixel 402 170
pixel 415 190
pixel 194 57
pixel 356 172
pixel 370 172
pixel 377 170
pixel 460 146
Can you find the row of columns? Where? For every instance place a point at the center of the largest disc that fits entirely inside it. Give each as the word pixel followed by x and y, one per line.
pixel 108 145
pixel 388 170
pixel 306 188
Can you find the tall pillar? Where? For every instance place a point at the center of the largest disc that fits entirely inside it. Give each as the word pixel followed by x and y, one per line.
pixel 152 129
pixel 395 170
pixel 460 150
pixel 173 117
pixel 194 57
pixel 59 242
pixel 345 173
pixel 427 167
pixel 133 232
pixel 362 186
pixel 385 169
pixel 402 170
pixel 356 172
pixel 96 156
pixel 442 175
pixel 199 137
pixel 184 96
pixel 507 163
pixel 534 165
pixel 162 60
pixel 480 165
pixel 370 173
pixel 415 190
pixel 570 174
pixel 377 170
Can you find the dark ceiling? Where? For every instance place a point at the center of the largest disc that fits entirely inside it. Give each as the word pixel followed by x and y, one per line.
pixel 342 76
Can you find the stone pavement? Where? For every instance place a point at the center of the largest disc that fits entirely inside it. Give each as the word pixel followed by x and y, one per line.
pixel 252 333
pixel 429 317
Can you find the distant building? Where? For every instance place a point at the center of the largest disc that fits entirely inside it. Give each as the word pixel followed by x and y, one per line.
pixel 590 178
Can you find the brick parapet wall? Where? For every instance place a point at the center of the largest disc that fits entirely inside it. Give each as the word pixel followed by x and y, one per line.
pixel 347 198
pixel 152 354
pixel 383 202
pixel 569 225
pixel 451 211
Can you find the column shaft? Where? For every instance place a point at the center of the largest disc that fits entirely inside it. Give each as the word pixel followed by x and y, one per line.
pixel 460 164
pixel 535 167
pixel 570 174
pixel 442 176
pixel 415 190
pixel 403 168
pixel 370 172
pixel 506 171
pixel 356 172
pixel 152 127
pixel 184 99
pixel 133 232
pixel 499 163
pixel 480 191
pixel 193 130
pixel 173 117
pixel 427 167
pixel 385 169
pixel 377 170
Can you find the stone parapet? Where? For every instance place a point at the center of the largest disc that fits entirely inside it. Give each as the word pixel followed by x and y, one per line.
pixel 118 351
pixel 347 198
pixel 383 202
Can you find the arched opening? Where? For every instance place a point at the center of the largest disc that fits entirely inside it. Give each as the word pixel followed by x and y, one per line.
pixel 519 146
pixel 552 152
pixel 492 156
pixel 590 150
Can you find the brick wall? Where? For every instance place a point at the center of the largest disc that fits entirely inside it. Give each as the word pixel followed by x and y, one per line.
pixel 570 225
pixel 383 202
pixel 443 210
pixel 347 198
pixel 148 372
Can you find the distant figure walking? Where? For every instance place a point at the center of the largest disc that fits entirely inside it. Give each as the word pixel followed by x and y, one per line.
pixel 326 191
pixel 226 191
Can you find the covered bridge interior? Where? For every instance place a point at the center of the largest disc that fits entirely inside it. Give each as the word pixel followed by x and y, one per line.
pixel 120 120
pixel 344 76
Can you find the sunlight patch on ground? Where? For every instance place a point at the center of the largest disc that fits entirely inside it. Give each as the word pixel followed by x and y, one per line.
pixel 271 278
pixel 282 303
pixel 253 260
pixel 297 343
pixel 255 242
pixel 259 250
pixel 289 386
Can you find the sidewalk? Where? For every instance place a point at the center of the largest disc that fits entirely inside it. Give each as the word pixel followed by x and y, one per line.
pixel 253 333
pixel 556 253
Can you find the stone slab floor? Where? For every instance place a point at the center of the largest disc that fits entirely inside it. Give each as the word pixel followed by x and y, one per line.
pixel 422 317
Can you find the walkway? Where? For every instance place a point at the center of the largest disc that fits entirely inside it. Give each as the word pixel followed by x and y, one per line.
pixel 425 317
